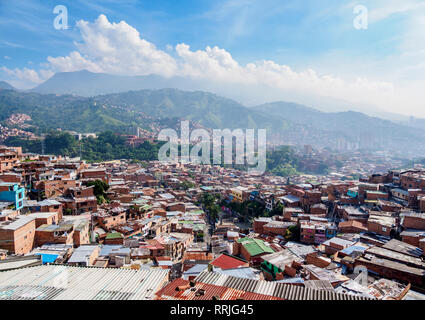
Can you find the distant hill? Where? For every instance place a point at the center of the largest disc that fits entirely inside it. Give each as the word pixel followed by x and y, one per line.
pixel 352 129
pixel 287 123
pixel 5 86
pixel 67 112
pixel 88 84
pixel 208 109
pixel 332 121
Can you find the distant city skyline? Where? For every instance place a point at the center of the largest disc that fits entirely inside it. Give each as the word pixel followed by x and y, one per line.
pixel 287 50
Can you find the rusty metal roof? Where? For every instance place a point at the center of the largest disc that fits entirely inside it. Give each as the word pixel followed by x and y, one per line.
pixel 275 289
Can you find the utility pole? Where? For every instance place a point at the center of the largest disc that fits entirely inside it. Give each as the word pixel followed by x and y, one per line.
pixel 93 237
pixel 43 146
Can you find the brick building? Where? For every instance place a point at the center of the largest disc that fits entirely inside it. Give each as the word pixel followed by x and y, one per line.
pixel 17 235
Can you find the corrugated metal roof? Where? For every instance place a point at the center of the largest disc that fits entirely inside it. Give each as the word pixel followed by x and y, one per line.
pixel 255 246
pixel 319 285
pixel 20 262
pixel 180 289
pixel 51 282
pixel 247 272
pixel 281 258
pixel 276 289
pixel 257 296
pixel 403 247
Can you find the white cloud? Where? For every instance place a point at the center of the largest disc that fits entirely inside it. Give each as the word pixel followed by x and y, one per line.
pixel 117 48
pixel 23 78
pixel 214 63
pixel 218 65
pixel 383 9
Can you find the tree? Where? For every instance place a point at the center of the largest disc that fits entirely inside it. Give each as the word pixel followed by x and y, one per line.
pixel 209 202
pixel 207 199
pixel 292 233
pixel 99 190
pixel 186 185
pixel 277 210
pixel 61 143
pixel 213 211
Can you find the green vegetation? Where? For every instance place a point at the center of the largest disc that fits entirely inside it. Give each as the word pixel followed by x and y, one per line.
pixel 99 190
pixel 253 209
pixel 209 202
pixel 142 108
pixel 285 162
pixel 186 185
pixel 206 108
pixel 31 146
pixel 108 146
pixel 282 162
pixel 293 233
pixel 277 210
pixel 68 113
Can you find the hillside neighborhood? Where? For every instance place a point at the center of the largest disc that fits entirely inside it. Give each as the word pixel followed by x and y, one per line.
pixel 152 230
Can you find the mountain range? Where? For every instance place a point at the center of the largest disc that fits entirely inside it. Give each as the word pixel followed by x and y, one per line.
pixel 88 84
pixel 65 101
pixel 6 86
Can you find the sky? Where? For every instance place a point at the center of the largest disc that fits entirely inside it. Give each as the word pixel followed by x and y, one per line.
pixel 299 50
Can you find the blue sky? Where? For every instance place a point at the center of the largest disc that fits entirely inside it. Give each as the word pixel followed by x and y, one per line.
pixel 310 42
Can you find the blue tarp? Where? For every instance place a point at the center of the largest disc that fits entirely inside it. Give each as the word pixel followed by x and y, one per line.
pixel 47 258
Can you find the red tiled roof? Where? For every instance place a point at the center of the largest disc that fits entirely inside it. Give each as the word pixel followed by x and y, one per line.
pixel 352 223
pixel 228 262
pixel 154 244
pixel 170 289
pixel 188 293
pixel 180 289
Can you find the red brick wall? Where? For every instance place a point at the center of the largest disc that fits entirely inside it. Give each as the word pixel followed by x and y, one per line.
pixel 312 258
pixel 20 241
pixel 379 229
pixel 245 253
pixel 10 178
pixel 414 223
pixel 274 231
pixel 376 196
pixel 318 211
pixel 258 226
pixel 177 207
pixel 111 221
pixel 392 273
pixel 414 241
